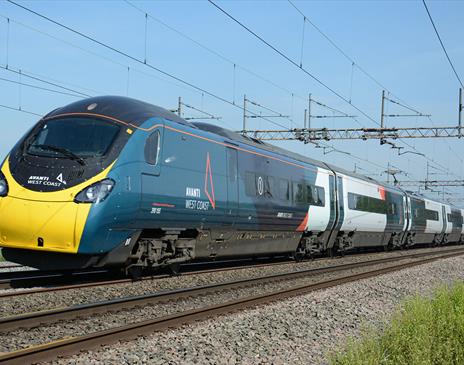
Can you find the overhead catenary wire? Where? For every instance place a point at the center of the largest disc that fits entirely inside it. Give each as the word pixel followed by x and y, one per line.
pixel 32 77
pixel 39 87
pixel 339 49
pixel 148 74
pixel 282 54
pixel 95 54
pixel 126 67
pixel 404 106
pixel 307 72
pixel 212 51
pixel 354 63
pixel 442 45
pixel 133 58
pixel 343 114
pixel 18 109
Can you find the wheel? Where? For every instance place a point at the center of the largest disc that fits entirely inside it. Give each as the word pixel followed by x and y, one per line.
pixel 135 272
pixel 298 256
pixel 333 251
pixel 388 247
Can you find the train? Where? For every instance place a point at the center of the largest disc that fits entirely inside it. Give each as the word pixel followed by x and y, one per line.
pixel 112 181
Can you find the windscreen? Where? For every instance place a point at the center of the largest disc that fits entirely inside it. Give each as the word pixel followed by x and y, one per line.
pixel 80 137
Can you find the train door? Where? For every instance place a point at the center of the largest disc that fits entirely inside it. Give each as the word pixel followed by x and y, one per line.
pixel 339 209
pixel 333 209
pixel 150 203
pixel 341 202
pixel 232 185
pixel 407 219
pixel 407 238
pixel 444 220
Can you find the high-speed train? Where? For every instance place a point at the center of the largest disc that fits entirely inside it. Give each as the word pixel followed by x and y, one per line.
pixel 113 181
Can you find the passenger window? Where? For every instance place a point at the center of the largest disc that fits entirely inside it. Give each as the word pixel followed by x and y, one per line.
pixel 367 204
pixel 152 147
pixel 310 198
pixel 269 186
pixel 391 209
pixel 299 195
pixel 320 196
pixel 284 189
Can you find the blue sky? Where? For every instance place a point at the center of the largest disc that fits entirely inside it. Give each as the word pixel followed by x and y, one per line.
pixel 392 40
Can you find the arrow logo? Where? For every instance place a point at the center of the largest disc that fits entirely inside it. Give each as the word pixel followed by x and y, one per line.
pixel 60 178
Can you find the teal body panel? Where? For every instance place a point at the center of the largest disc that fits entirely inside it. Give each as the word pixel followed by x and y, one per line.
pixel 199 182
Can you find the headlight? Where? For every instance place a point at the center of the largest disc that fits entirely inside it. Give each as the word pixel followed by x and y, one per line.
pixel 3 185
pixel 95 193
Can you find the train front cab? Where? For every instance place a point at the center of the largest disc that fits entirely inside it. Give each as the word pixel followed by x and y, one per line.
pixel 55 177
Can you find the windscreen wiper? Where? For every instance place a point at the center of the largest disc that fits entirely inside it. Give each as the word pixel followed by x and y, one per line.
pixel 65 152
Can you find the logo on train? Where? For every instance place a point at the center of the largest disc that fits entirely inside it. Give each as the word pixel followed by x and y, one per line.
pixel 45 180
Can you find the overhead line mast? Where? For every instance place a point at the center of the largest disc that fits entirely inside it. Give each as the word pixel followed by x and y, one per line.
pixel 308 134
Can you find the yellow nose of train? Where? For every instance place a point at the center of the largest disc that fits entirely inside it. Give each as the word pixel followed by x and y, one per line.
pixel 48 221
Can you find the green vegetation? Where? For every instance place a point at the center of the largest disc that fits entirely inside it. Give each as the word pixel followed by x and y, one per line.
pixel 1 257
pixel 424 331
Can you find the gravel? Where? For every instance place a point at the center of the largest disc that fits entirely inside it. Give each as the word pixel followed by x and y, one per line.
pixel 298 330
pixel 49 300
pixel 14 340
pixel 4 267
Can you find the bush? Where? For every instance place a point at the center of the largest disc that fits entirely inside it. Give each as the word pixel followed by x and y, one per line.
pixel 424 331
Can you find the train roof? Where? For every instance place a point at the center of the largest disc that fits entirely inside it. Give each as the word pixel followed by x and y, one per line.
pixel 120 107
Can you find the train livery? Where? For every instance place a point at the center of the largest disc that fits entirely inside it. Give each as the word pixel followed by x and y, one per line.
pixel 113 181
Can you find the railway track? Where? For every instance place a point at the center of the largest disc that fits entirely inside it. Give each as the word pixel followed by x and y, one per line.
pixel 31 278
pixel 55 281
pixel 12 266
pixel 67 346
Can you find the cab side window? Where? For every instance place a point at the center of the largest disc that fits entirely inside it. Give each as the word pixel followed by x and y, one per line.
pixel 152 147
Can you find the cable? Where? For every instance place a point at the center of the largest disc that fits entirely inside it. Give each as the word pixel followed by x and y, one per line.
pixel 135 59
pixel 178 79
pixel 306 72
pixel 224 58
pixel 404 104
pixel 20 110
pixel 292 62
pixel 337 47
pixel 39 87
pixel 210 50
pixel 336 111
pixel 124 66
pixel 442 45
pixel 30 76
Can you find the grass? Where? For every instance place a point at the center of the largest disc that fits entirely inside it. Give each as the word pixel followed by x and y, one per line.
pixel 423 331
pixel 1 257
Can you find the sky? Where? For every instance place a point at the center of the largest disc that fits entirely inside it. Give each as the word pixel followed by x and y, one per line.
pixel 393 41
